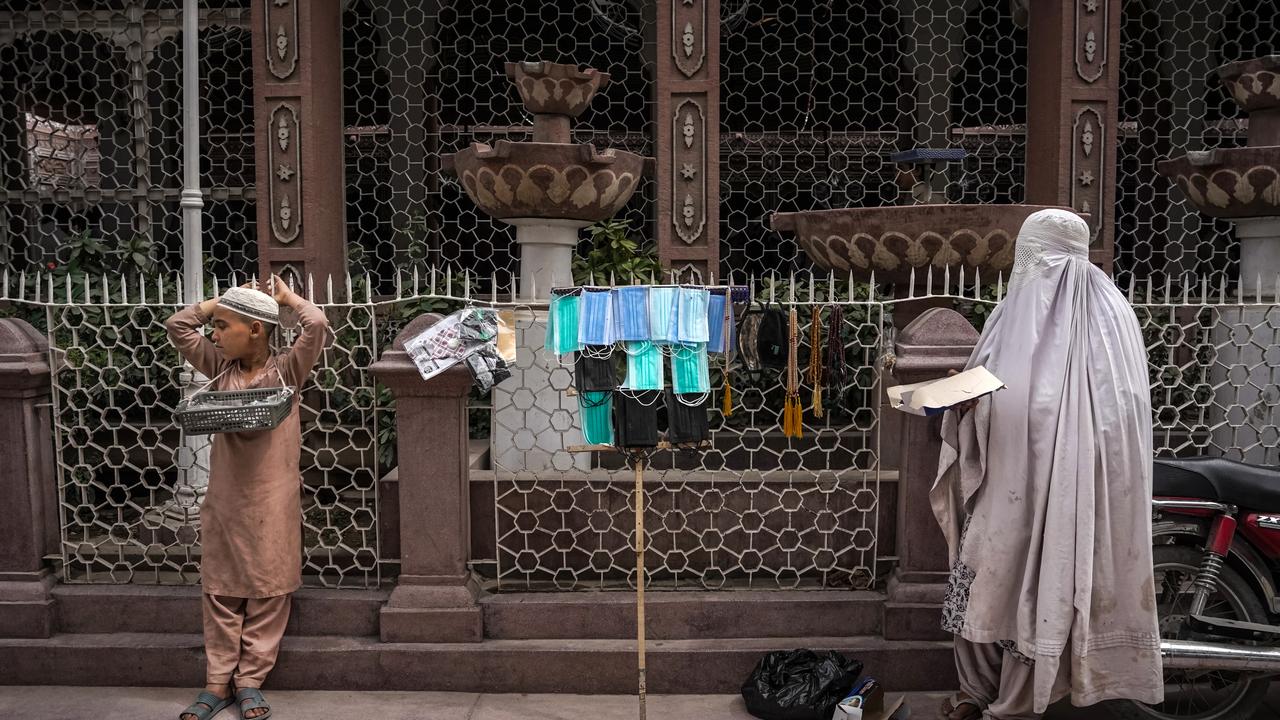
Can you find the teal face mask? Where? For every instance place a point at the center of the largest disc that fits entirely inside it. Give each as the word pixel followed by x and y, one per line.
pixel 644 366
pixel 562 325
pixel 597 417
pixel 689 371
pixel 662 304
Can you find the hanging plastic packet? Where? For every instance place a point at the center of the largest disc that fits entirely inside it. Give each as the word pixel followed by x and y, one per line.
pixel 689 321
pixel 595 317
pixel 631 313
pixel 597 417
pixel 686 419
pixel 562 322
pixel 644 366
pixel 689 370
pixel 662 307
pixel 488 368
pixel 719 322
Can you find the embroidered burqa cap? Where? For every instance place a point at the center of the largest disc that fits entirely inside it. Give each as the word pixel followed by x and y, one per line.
pixel 1044 488
pixel 253 304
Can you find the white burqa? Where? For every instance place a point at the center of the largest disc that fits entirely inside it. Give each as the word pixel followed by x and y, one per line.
pixel 1049 480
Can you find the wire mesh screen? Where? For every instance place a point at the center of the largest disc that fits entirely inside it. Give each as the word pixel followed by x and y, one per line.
pixel 91 137
pixel 129 483
pixel 425 80
pixel 755 509
pixel 1172 102
pixel 816 96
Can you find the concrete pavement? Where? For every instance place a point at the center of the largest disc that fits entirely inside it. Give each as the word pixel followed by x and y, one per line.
pixel 131 703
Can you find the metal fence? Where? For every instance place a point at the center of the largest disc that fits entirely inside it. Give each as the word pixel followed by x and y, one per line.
pixel 815 97
pixel 1171 102
pixel 756 509
pixel 90 134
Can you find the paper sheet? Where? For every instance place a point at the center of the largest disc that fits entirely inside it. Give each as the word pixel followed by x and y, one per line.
pixel 933 397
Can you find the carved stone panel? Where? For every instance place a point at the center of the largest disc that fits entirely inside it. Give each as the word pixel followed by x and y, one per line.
pixel 1088 140
pixel 1091 27
pixel 284 155
pixel 689 35
pixel 688 170
pixel 282 32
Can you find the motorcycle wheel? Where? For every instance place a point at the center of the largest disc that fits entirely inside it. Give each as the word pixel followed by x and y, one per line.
pixel 1199 695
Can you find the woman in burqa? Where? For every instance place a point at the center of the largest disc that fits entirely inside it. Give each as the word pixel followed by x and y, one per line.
pixel 1044 494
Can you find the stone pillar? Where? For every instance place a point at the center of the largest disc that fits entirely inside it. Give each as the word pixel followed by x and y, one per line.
pixel 435 599
pixel 937 341
pixel 1073 90
pixel 687 95
pixel 27 483
pixel 297 95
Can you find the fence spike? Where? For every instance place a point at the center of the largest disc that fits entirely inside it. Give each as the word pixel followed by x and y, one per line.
pixel 311 288
pixel 431 280
pixel 772 287
pixel 613 279
pixel 929 281
pixel 88 294
pixel 1132 287
pixel 999 286
pixel 946 279
pixel 217 290
pixel 106 290
pixel 4 291
pixel 751 289
pixel 1204 290
pixel 142 290
pixel 38 294
pixel 977 284
pixel 22 286
pixel 871 288
pixel 1222 289
pixel 350 287
pixel 124 289
pixel 368 289
pixel 1186 293
pixel 1277 288
pixel 466 285
pixel 791 291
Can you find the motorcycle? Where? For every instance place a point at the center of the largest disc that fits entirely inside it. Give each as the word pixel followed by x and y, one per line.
pixel 1216 532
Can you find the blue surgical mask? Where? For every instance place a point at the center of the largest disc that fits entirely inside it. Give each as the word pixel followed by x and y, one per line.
pixel 631 313
pixel 644 366
pixel 689 371
pixel 662 306
pixel 595 318
pixel 718 310
pixel 690 318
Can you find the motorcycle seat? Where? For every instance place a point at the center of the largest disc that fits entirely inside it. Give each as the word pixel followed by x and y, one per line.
pixel 1255 487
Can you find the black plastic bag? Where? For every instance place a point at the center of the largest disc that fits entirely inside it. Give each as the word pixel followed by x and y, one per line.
pixel 799 684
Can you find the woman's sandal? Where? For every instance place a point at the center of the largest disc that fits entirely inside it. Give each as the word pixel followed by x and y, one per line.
pixel 251 699
pixel 206 706
pixel 952 705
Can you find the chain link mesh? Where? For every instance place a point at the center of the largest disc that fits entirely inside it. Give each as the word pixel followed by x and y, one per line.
pixel 91 136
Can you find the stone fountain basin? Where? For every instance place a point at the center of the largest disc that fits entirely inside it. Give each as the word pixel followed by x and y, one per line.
pixel 1254 84
pixel 553 88
pixel 518 180
pixel 1229 182
pixel 892 241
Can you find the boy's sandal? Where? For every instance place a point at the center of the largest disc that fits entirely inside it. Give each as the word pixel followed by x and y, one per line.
pixel 206 706
pixel 951 708
pixel 251 699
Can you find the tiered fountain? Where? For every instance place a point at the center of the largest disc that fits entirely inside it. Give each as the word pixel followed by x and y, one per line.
pixel 1243 185
pixel 547 188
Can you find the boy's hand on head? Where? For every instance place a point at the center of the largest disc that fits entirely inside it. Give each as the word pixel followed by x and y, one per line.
pixel 279 289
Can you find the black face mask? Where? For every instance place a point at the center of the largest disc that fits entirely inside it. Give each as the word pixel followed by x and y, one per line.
pixel 635 418
pixel 771 338
pixel 686 423
pixel 592 374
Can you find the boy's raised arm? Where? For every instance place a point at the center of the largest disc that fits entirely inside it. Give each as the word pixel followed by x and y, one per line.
pixel 184 332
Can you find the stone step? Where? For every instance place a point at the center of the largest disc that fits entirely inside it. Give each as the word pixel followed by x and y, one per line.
pixel 677 615
pixel 506 666
pixel 167 609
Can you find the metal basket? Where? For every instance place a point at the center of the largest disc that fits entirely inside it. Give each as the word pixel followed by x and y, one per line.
pixel 223 411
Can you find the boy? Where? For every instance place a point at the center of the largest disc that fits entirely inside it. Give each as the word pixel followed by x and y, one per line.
pixel 251 535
